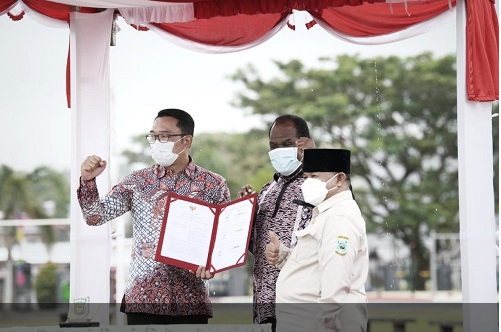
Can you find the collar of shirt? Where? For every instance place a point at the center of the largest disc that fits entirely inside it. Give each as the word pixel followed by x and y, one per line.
pixel 331 201
pixel 161 171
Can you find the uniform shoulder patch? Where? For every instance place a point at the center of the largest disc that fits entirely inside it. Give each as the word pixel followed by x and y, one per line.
pixel 342 244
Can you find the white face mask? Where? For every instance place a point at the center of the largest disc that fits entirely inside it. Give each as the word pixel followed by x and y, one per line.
pixel 284 160
pixel 162 153
pixel 314 190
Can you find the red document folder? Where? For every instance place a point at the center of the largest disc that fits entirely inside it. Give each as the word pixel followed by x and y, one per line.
pixel 197 233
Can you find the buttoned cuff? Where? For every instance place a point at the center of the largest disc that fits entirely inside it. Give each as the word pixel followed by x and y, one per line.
pixel 283 255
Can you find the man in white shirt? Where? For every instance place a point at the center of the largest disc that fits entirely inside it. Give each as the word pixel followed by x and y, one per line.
pixel 321 281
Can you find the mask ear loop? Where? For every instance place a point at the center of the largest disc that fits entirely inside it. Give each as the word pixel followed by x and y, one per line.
pixel 329 181
pixel 302 158
pixel 332 178
pixel 178 153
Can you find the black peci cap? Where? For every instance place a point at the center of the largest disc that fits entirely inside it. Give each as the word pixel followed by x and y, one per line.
pixel 326 160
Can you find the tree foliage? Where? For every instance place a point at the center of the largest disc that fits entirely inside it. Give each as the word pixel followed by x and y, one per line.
pixel 396 115
pixel 46 286
pixel 50 185
pixel 25 196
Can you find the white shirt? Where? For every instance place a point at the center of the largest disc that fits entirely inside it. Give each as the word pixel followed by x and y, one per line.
pixel 329 264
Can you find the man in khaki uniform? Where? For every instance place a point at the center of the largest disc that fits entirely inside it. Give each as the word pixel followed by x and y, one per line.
pixel 321 281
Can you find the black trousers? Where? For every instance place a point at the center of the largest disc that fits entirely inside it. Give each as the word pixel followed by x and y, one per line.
pixel 149 319
pixel 272 321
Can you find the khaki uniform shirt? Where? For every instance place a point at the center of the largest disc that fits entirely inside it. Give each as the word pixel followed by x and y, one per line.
pixel 329 267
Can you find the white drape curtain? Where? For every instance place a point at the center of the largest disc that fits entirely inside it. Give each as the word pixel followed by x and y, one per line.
pixel 90 107
pixel 162 14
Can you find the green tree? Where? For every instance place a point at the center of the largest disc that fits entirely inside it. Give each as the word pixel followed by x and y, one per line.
pixel 46 286
pixel 137 156
pixel 397 116
pixel 16 202
pixel 241 158
pixel 22 196
pixel 50 185
pixel 17 197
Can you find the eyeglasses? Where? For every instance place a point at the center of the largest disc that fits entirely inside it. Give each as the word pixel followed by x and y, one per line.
pixel 162 138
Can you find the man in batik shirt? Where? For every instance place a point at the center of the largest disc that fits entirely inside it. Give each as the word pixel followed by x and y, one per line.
pixel 157 293
pixel 281 208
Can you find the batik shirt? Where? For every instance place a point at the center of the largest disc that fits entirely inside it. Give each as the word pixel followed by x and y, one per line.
pixel 282 211
pixel 154 287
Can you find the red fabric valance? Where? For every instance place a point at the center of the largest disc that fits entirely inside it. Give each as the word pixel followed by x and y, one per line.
pixel 355 18
pixel 208 9
pixel 55 10
pixel 5 5
pixel 379 19
pixel 224 31
pixel 233 24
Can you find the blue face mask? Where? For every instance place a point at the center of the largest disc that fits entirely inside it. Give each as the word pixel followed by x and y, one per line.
pixel 284 160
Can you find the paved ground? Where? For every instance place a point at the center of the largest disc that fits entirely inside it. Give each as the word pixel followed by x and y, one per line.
pixel 237 308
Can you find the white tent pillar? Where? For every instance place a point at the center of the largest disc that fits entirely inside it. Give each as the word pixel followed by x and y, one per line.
pixel 476 199
pixel 90 107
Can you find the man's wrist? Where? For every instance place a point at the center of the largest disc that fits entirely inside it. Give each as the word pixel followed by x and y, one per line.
pixel 84 180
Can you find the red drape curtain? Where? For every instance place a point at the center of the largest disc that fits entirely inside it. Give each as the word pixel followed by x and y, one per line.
pixel 208 9
pixel 54 10
pixel 237 23
pixel 378 19
pixel 243 21
pixel 5 5
pixel 482 51
pixel 355 18
pixel 50 9
pixel 225 31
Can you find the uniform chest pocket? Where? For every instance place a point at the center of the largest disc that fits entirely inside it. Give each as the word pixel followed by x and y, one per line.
pixel 306 249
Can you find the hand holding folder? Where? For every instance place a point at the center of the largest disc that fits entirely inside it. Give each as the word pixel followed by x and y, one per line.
pixel 196 233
